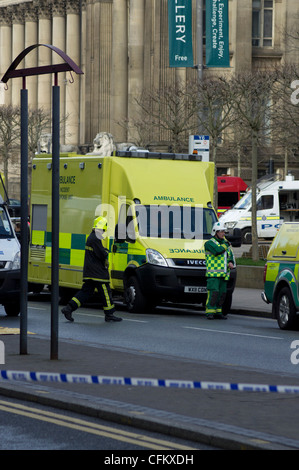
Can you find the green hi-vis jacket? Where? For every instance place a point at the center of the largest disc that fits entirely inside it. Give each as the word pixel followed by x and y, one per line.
pixel 218 255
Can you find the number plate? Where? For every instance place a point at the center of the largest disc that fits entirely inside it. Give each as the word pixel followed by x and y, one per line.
pixel 195 290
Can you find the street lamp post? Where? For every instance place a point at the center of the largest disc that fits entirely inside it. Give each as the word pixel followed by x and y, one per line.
pixel 12 72
pixel 24 217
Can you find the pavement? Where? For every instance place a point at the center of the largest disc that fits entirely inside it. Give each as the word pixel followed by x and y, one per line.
pixel 226 419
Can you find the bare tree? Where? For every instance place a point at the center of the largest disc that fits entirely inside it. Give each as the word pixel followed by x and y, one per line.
pixel 170 111
pixel 285 115
pixel 236 145
pixel 253 98
pixel 38 121
pixel 141 128
pixel 214 111
pixel 9 134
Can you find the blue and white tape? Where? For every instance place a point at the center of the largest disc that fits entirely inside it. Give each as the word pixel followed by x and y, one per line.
pixel 142 382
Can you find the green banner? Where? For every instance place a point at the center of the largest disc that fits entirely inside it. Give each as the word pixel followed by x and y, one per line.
pixel 217 33
pixel 180 33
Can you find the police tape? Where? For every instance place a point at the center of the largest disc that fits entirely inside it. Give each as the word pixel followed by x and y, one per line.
pixel 142 382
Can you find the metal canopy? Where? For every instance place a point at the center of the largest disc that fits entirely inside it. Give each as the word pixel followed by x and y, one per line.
pixel 68 65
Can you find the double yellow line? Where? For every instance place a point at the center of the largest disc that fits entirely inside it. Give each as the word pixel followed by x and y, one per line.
pixel 92 428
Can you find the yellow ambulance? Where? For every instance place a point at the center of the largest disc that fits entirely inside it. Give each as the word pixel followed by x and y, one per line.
pixel 281 287
pixel 159 211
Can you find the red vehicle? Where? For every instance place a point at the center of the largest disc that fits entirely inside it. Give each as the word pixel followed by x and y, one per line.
pixel 230 190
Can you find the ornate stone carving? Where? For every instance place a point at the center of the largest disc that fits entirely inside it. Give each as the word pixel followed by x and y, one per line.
pixel 18 14
pixel 31 13
pixel 103 144
pixel 73 6
pixel 58 8
pixel 44 9
pixel 6 16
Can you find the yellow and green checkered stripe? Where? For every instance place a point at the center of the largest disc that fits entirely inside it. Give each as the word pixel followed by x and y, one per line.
pixel 72 249
pixel 71 246
pixel 217 265
pixel 126 254
pixel 282 271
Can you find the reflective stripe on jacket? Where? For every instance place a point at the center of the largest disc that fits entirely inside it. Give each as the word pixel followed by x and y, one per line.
pixel 218 255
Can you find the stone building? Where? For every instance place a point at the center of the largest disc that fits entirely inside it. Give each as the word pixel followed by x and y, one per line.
pixel 122 48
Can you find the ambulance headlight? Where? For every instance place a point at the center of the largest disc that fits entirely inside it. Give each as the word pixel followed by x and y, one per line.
pixel 230 224
pixel 154 257
pixel 16 263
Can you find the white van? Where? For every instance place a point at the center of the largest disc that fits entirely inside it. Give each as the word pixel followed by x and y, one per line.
pixel 10 261
pixel 277 202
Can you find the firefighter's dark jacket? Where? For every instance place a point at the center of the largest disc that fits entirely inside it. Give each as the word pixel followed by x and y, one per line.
pixel 95 262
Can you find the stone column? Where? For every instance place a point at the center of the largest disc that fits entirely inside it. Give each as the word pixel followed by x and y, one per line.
pixel 73 37
pixel 82 138
pixel 119 69
pixel 5 53
pixel 242 35
pixel 89 54
pixel 59 40
pixel 31 38
pixel 44 53
pixel 286 28
pixel 136 56
pixel 18 43
pixel 97 65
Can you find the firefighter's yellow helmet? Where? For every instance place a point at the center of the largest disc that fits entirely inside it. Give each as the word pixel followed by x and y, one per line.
pixel 100 223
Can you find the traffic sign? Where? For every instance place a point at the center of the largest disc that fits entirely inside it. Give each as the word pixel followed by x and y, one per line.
pixel 200 145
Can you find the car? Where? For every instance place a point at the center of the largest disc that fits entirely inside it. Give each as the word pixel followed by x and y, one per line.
pixel 14 207
pixel 281 276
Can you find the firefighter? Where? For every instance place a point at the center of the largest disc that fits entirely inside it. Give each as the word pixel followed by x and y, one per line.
pixel 219 260
pixel 95 274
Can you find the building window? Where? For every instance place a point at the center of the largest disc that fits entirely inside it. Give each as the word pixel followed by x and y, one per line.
pixel 262 23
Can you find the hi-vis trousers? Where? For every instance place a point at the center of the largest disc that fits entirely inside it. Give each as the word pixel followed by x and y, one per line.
pixel 87 291
pixel 216 287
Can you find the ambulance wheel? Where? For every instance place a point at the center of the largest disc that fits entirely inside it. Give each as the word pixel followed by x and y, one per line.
pixel 134 298
pixel 285 309
pixel 246 236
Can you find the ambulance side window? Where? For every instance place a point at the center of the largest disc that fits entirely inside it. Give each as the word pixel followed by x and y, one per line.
pixel 130 227
pixel 125 227
pixel 39 217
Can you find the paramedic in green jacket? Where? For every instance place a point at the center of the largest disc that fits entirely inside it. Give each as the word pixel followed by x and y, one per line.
pixel 219 260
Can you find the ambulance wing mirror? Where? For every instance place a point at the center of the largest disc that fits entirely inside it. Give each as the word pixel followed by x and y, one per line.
pixel 124 233
pixel 120 233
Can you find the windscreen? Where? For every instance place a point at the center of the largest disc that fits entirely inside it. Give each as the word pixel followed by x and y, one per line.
pixel 182 222
pixel 244 203
pixel 5 226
